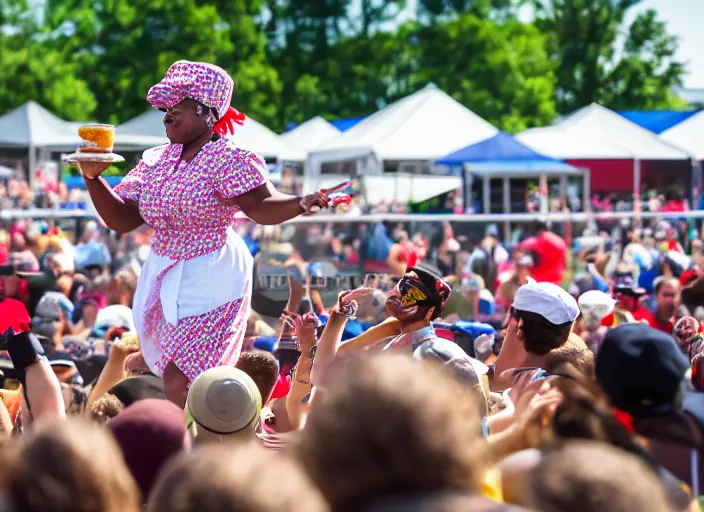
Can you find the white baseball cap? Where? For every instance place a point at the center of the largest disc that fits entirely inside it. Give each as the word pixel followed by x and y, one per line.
pixel 547 300
pixel 597 303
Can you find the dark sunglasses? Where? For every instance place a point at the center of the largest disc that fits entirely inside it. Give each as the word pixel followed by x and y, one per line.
pixel 406 284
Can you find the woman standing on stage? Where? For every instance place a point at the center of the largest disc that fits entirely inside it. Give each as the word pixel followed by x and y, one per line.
pixel 193 296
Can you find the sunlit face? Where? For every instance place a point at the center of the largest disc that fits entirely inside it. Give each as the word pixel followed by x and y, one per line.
pixel 667 300
pixel 523 272
pixel 626 301
pixel 9 286
pixel 183 124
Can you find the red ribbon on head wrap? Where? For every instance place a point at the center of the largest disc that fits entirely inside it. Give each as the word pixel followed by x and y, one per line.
pixel 226 124
pixel 626 420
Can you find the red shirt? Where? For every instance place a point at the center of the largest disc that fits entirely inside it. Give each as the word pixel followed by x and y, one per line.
pixel 639 315
pixel 550 249
pixel 14 314
pixel 658 324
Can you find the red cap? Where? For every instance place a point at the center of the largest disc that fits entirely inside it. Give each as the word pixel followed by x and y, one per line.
pixel 283 386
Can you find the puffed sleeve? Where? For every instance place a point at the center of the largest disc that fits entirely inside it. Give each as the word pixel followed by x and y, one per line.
pixel 239 172
pixel 130 188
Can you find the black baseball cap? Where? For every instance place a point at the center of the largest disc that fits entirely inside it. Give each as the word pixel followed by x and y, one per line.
pixel 133 389
pixel 640 368
pixel 627 286
pixel 438 289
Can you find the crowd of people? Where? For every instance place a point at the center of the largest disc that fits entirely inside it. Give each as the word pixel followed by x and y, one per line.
pixel 148 363
pixel 476 383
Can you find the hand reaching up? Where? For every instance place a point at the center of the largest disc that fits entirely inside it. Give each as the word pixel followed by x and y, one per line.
pixel 348 302
pixel 305 327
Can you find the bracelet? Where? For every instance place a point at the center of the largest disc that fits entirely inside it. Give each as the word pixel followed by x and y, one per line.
pixel 295 376
pixel 347 308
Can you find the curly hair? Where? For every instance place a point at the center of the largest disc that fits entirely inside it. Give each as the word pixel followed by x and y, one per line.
pixel 105 408
pixel 388 425
pixel 263 368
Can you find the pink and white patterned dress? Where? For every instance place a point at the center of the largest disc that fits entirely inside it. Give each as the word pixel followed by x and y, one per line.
pixel 193 295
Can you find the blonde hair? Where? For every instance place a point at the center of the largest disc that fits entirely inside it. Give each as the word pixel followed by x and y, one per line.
pixel 105 408
pixel 72 466
pixel 388 424
pixel 242 478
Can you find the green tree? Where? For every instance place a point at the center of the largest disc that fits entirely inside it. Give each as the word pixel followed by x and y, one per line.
pixel 367 73
pixel 125 46
pixel 433 9
pixel 500 70
pixel 377 12
pixel 648 71
pixel 591 66
pixel 33 70
pixel 301 34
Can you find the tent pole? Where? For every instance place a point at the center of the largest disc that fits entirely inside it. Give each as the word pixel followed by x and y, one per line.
pixel 487 194
pixel 468 184
pixel 563 191
pixel 586 191
pixel 636 189
pixel 465 200
pixel 696 183
pixel 32 165
pixel 543 194
pixel 507 208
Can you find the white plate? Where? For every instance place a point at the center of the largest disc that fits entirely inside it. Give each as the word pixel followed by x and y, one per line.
pixel 92 157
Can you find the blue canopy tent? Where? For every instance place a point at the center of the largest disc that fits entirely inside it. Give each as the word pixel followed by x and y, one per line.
pixel 657 121
pixel 504 157
pixel 345 124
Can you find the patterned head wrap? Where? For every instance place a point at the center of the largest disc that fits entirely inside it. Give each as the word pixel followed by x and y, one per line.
pixel 207 84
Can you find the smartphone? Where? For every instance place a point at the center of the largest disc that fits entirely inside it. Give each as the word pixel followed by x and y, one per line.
pixel 315 269
pixel 539 374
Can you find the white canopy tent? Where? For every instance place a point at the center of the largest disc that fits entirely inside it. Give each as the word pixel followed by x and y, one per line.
pixel 311 134
pixel 597 133
pixel 142 132
pixel 688 135
pixel 147 130
pixel 419 128
pixel 33 127
pixel 400 187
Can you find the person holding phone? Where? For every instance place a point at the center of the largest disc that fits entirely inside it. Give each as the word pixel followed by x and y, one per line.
pixel 194 292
